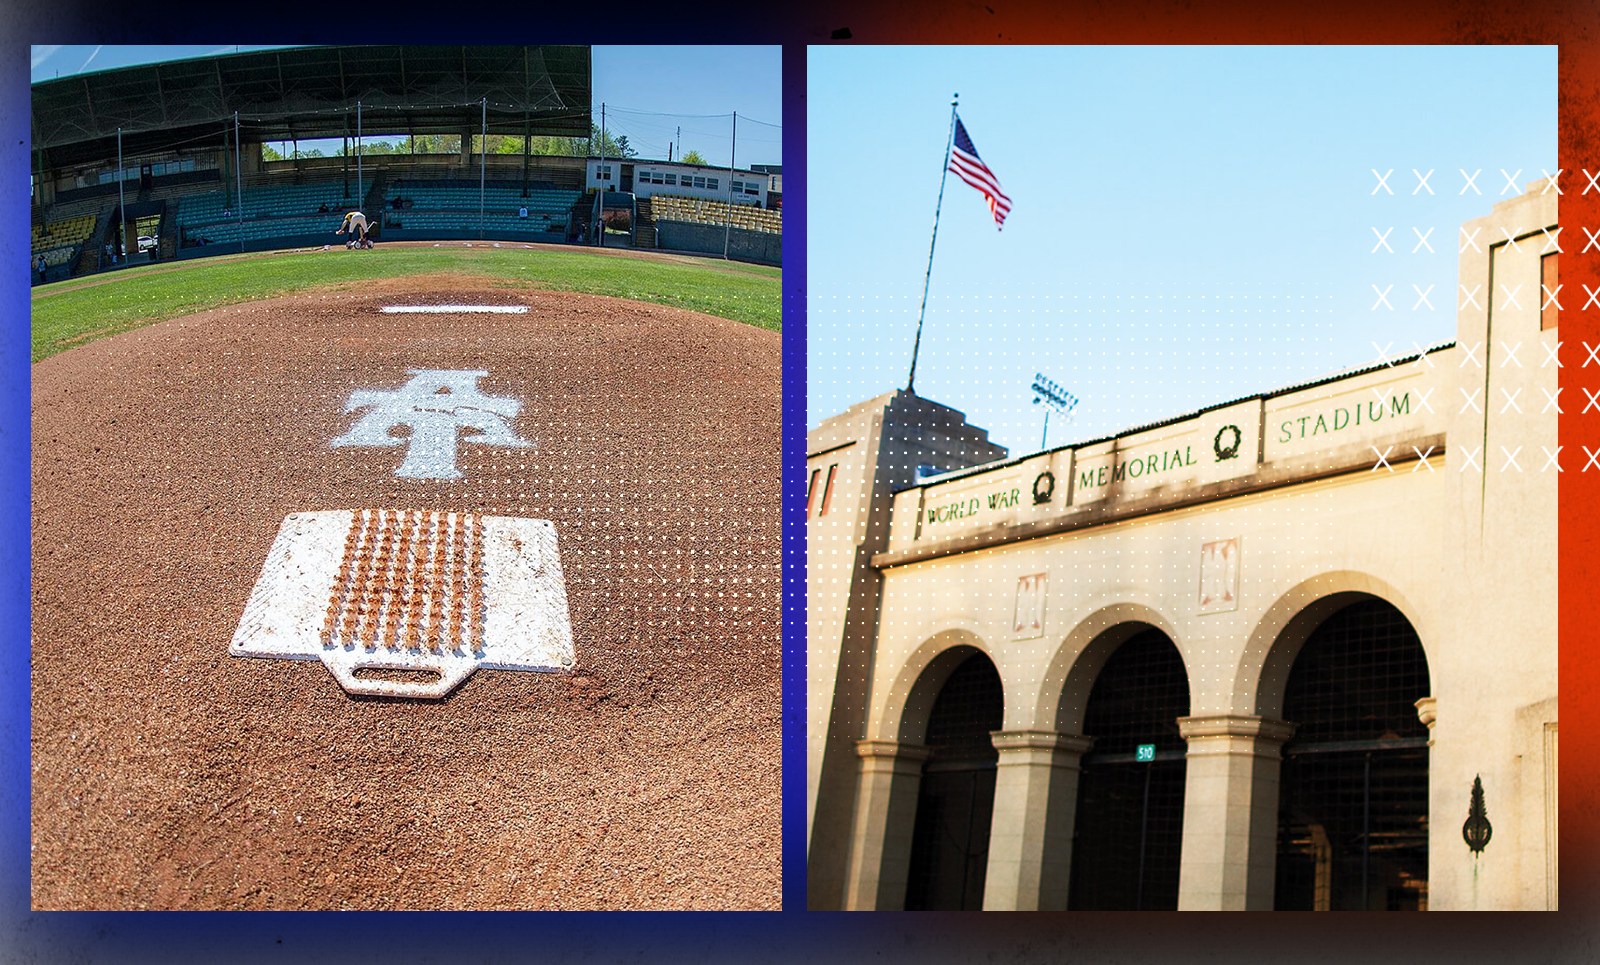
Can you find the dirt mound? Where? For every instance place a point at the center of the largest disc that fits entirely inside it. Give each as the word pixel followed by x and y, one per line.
pixel 167 774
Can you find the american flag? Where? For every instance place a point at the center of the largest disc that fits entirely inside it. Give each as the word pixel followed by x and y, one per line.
pixel 966 164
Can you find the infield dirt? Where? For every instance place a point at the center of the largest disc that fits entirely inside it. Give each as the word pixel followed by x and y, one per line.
pixel 167 774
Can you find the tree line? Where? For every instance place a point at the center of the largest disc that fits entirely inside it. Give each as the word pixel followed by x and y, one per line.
pixel 608 144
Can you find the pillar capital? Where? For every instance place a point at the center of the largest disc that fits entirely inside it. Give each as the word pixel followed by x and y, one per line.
pixel 1264 730
pixel 891 755
pixel 1041 740
pixel 1428 711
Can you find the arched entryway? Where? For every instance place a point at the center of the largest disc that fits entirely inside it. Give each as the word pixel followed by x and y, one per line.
pixel 1128 835
pixel 1353 793
pixel 955 801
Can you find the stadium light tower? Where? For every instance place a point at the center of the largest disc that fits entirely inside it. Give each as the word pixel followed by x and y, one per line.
pixel 1054 397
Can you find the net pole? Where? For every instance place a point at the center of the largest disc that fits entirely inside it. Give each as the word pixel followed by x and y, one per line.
pixel 727 231
pixel 944 170
pixel 483 162
pixel 238 178
pixel 122 207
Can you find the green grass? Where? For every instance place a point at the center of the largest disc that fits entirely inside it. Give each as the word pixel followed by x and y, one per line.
pixel 81 310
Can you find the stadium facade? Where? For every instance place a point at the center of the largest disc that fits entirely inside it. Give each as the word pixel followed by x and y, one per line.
pixel 1293 651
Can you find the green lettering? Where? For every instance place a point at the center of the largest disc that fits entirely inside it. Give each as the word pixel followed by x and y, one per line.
pixel 1286 434
pixel 1086 478
pixel 1401 403
pixel 1321 426
pixel 1374 411
pixel 1118 471
pixel 1337 425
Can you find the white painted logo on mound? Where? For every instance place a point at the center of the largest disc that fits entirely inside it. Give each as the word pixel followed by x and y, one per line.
pixel 435 405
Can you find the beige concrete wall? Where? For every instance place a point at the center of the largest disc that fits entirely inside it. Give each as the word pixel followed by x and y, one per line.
pixel 873 448
pixel 1496 686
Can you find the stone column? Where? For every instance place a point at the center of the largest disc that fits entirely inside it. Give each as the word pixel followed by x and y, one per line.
pixel 886 814
pixel 1035 800
pixel 1230 812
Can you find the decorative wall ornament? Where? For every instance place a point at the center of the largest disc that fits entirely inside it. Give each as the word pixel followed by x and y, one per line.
pixel 1477 830
pixel 1044 486
pixel 1031 593
pixel 1219 576
pixel 1230 449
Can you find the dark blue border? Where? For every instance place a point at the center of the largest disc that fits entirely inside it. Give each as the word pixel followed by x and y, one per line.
pixel 794 477
pixel 15 547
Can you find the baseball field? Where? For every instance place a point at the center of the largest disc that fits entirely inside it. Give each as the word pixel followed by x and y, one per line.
pixel 181 411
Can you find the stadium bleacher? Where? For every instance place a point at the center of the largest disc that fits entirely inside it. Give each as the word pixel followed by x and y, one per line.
pixel 423 205
pixel 701 211
pixel 441 205
pixel 267 212
pixel 60 241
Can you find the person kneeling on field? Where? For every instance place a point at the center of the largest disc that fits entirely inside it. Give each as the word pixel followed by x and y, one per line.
pixel 356 223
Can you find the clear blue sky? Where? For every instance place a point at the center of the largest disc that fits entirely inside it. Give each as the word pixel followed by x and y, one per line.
pixel 649 92
pixel 1188 225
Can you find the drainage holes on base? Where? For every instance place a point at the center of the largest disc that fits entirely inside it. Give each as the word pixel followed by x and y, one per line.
pixel 399 675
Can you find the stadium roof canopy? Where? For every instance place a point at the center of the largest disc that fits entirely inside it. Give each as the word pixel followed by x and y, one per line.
pixel 311 92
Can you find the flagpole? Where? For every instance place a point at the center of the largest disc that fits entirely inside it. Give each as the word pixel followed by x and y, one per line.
pixel 943 173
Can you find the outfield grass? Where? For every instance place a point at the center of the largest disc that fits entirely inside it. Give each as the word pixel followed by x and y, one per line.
pixel 82 310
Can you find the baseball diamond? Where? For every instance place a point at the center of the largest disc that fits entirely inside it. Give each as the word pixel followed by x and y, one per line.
pixel 167 774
